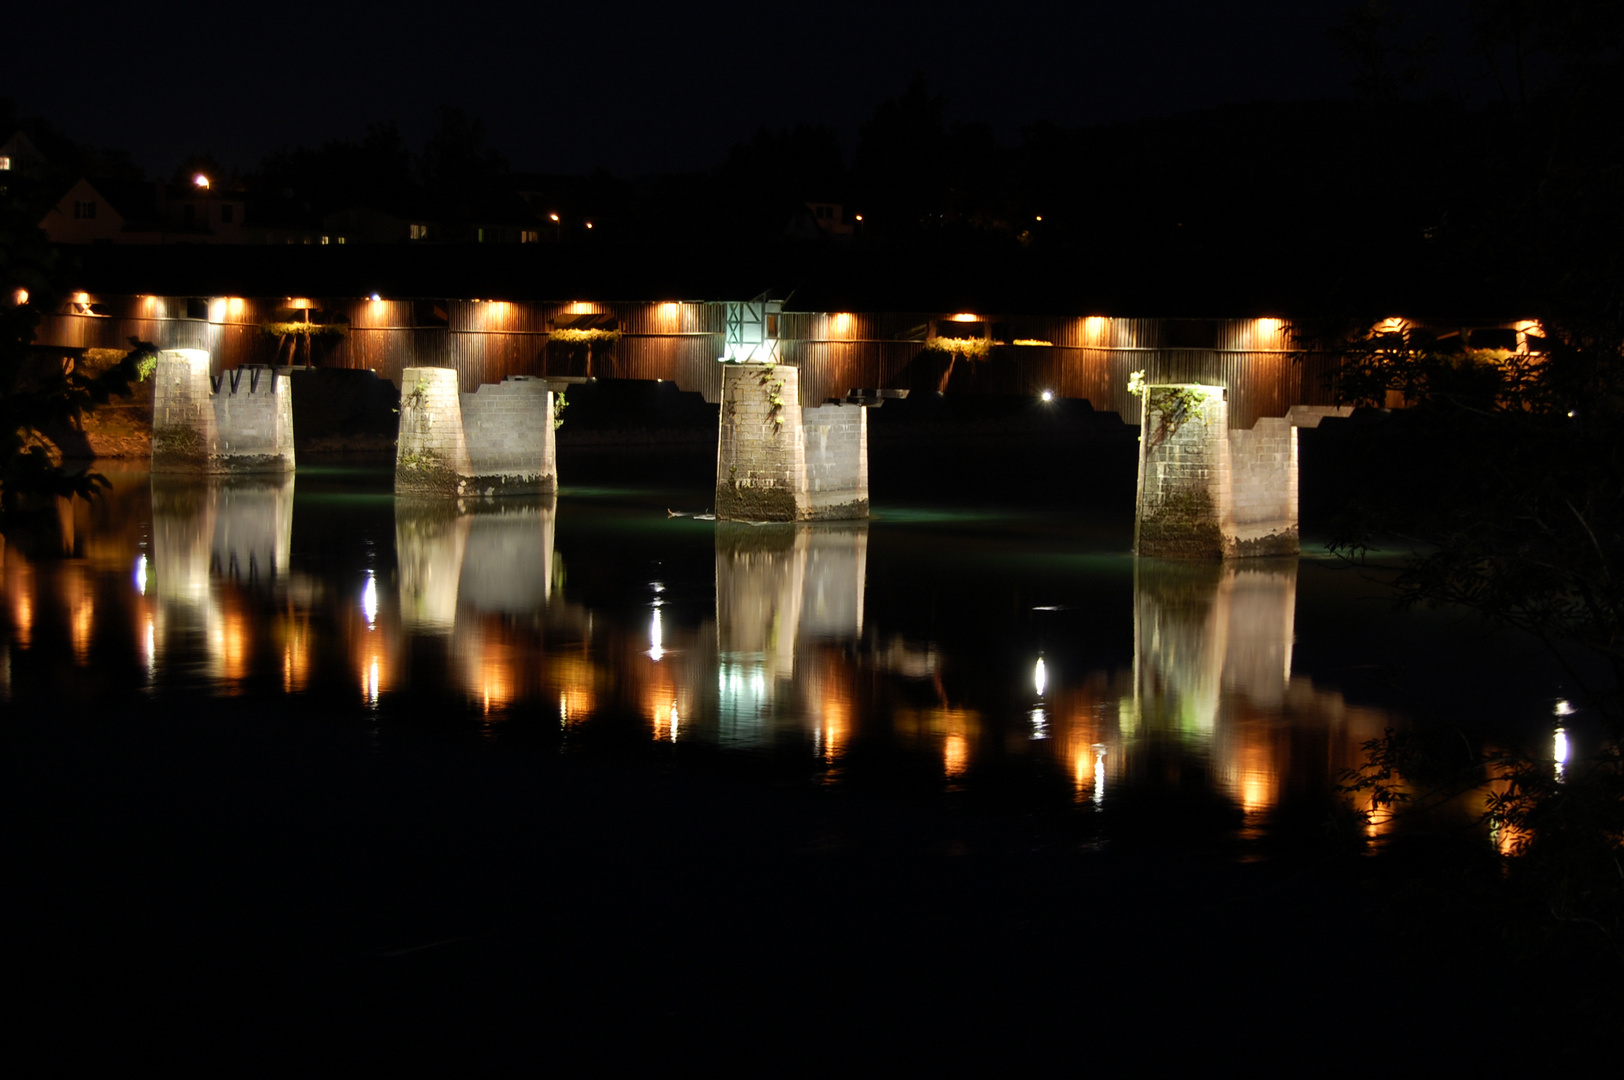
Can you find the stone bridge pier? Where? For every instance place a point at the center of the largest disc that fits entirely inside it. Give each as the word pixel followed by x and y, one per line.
pixel 1209 492
pixel 238 422
pixel 779 461
pixel 495 441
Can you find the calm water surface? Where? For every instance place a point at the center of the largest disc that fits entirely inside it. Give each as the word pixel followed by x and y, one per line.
pixel 939 647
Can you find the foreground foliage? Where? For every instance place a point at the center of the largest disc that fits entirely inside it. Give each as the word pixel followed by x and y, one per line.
pixel 42 390
pixel 1560 826
pixel 1521 511
pixel 1500 487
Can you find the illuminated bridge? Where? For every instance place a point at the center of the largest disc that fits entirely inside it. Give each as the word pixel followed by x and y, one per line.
pixel 1218 463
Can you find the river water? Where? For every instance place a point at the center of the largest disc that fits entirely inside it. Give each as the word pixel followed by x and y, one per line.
pixel 932 648
pixel 297 771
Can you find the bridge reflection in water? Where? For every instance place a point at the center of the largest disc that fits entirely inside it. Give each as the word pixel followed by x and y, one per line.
pixel 1213 694
pixel 492 555
pixel 215 543
pixel 761 638
pixel 783 590
pixel 1210 706
pixel 470 573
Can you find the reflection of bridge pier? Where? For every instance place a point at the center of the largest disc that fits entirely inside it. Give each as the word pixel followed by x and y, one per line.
pixel 495 556
pixel 240 529
pixel 780 588
pixel 204 531
pixel 1213 690
pixel 484 556
pixel 1212 660
pixel 1203 629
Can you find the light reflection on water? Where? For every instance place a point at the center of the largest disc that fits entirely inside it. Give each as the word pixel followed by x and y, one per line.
pixel 758 638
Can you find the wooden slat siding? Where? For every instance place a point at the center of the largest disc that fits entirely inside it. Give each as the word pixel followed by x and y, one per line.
pixel 382 338
pixel 96 332
pixel 1317 382
pixel 679 342
pixel 687 361
pixel 837 354
pixel 659 319
pixel 830 352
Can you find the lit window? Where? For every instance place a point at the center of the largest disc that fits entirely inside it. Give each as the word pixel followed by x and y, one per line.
pixel 528 236
pixel 5 162
pixel 325 240
pixel 340 239
pixel 418 232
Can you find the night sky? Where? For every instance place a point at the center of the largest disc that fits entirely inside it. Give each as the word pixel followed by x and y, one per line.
pixel 637 87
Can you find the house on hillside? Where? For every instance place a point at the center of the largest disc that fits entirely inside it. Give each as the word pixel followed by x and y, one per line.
pixel 815 221
pixel 830 218
pixel 103 211
pixel 18 156
pixel 281 218
pixel 202 213
pixel 99 212
pixel 366 224
pixel 492 221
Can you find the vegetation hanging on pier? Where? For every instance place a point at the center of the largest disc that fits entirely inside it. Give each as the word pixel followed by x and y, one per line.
pixel 589 336
pixel 582 345
pixel 1173 404
pixel 303 329
pixel 971 348
pixel 312 327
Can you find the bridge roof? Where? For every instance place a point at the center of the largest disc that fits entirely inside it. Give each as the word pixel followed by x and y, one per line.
pixel 815 277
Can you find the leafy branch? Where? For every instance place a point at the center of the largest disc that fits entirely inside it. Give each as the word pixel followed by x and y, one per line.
pixel 1173 404
pixel 775 398
pixel 971 348
pixel 304 329
pixel 590 335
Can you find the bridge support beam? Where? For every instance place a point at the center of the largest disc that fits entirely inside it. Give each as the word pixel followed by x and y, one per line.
pixel 495 441
pixel 241 422
pixel 777 461
pixel 1207 492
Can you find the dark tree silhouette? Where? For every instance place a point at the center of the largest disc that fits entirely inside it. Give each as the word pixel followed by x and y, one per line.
pixel 40 388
